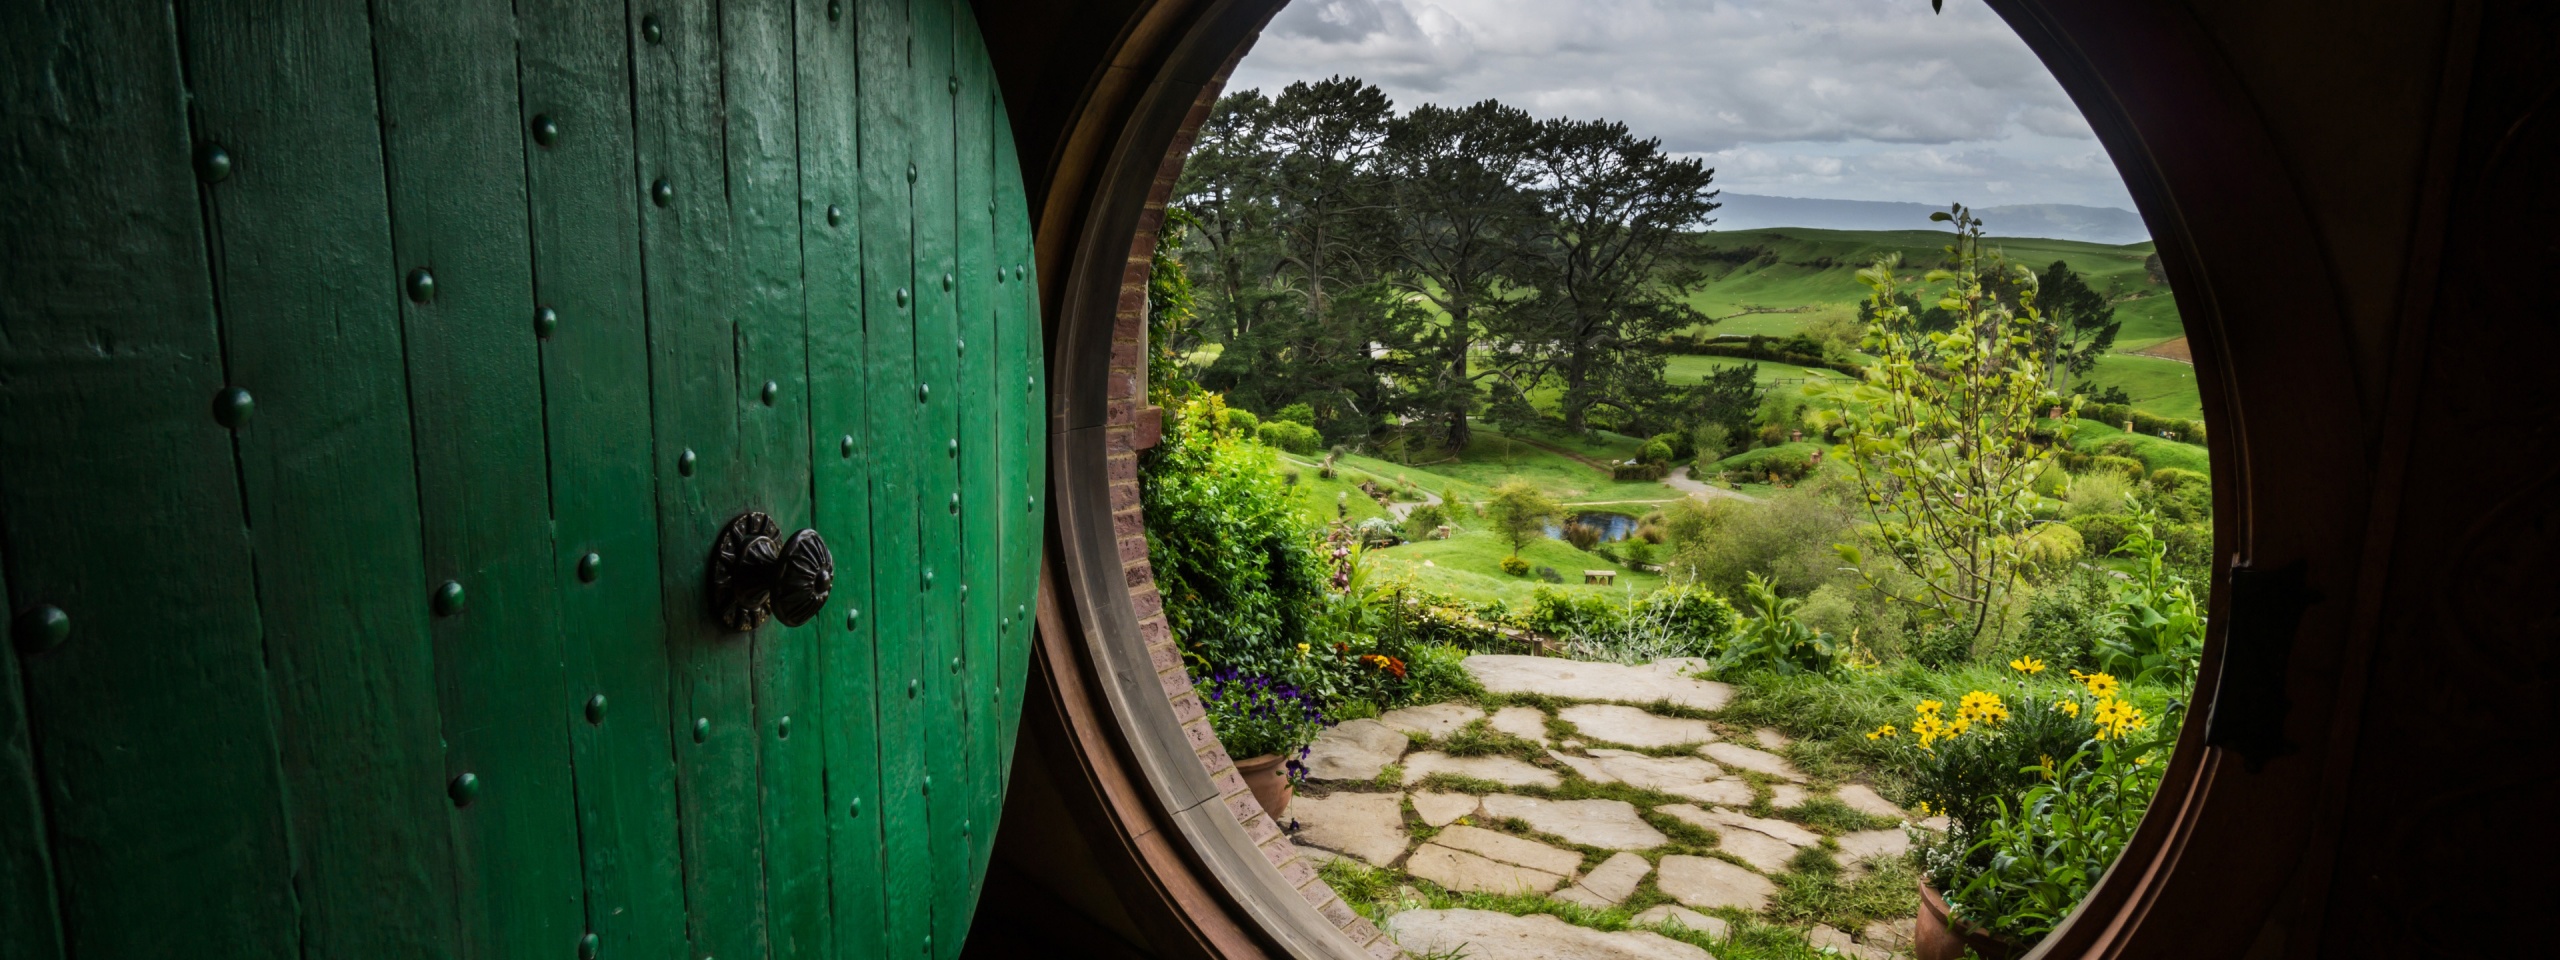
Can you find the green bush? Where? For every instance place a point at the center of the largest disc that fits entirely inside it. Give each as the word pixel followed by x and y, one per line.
pixel 1233 557
pixel 2033 860
pixel 1656 451
pixel 1515 566
pixel 1638 472
pixel 1942 645
pixel 1435 674
pixel 1291 436
pixel 2101 533
pixel 2130 468
pixel 2182 496
pixel 1297 413
pixel 2051 549
pixel 2162 633
pixel 1772 639
pixel 2066 619
pixel 1693 612
pixel 1557 613
pixel 1243 421
pixel 1424 519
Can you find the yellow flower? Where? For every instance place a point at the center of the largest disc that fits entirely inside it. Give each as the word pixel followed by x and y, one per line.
pixel 1880 732
pixel 2044 765
pixel 1930 708
pixel 1957 727
pixel 1302 649
pixel 2116 718
pixel 2027 665
pixel 2100 684
pixel 1981 707
pixel 2071 707
pixel 1922 808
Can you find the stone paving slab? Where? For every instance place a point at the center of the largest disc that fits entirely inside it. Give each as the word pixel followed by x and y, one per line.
pixel 1670 913
pixel 1756 761
pixel 1788 796
pixel 1661 773
pixel 1824 936
pixel 1354 750
pixel 1728 791
pixel 1779 829
pixel 1503 770
pixel 1708 883
pixel 1607 824
pixel 1434 720
pixel 1527 723
pixel 1443 809
pixel 1763 852
pixel 1369 826
pixel 1469 873
pixel 1871 844
pixel 1578 680
pixel 1487 935
pixel 1633 727
pixel 1770 738
pixel 1865 799
pixel 1615 879
pixel 1588 767
pixel 1506 848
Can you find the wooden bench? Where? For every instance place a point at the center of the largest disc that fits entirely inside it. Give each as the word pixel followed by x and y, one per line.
pixel 1601 577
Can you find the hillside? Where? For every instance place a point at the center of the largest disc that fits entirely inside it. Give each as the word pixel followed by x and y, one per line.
pixel 1742 211
pixel 1775 281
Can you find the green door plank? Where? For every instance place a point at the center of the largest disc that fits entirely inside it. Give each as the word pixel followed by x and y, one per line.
pixel 308 293
pixel 936 343
pixel 107 354
pixel 1021 336
pixel 30 927
pixel 455 155
pixel 896 436
pixel 841 460
pixel 759 80
pixel 980 398
pixel 575 71
pixel 688 259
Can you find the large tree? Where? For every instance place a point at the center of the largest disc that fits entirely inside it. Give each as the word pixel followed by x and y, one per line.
pixel 2079 324
pixel 1463 219
pixel 1617 211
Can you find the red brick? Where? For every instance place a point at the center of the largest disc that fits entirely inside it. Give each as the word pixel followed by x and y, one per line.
pixel 1150 428
pixel 1186 705
pixel 1124 496
pixel 1299 871
pixel 1317 893
pixel 1277 850
pixel 1265 830
pixel 1133 548
pixel 1154 631
pixel 1243 807
pixel 1133 298
pixel 1124 467
pixel 1164 655
pixel 1361 930
pixel 1122 410
pixel 1125 354
pixel 1213 758
pixel 1148 602
pixel 1139 575
pixel 1385 948
pixel 1200 735
pixel 1338 911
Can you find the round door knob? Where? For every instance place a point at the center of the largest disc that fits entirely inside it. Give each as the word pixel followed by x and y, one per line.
pixel 756 573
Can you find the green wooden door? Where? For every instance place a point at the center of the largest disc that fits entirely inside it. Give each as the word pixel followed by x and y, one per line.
pixel 374 382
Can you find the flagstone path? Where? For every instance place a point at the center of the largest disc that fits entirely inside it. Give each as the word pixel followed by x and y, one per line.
pixel 1450 794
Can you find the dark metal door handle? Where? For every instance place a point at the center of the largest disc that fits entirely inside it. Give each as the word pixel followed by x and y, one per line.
pixel 755 574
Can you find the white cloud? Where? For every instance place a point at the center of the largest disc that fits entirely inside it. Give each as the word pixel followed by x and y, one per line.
pixel 1855 99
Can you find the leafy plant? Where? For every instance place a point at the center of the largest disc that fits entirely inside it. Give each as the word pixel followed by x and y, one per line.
pixel 1945 433
pixel 1234 558
pixel 1260 716
pixel 1773 639
pixel 2161 635
pixel 1515 566
pixel 2040 855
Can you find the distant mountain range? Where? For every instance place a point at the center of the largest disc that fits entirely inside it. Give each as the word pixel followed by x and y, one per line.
pixel 2052 221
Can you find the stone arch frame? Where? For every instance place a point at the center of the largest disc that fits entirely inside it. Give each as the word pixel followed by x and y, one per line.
pixel 2241 853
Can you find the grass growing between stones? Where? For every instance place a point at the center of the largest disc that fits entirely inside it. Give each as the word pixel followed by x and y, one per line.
pixel 1478 739
pixel 1816 890
pixel 1378 894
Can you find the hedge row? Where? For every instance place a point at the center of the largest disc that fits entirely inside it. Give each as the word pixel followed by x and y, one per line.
pixel 2116 414
pixel 1754 347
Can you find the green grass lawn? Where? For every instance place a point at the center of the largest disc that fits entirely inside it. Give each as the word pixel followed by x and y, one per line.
pixel 2154 452
pixel 1492 459
pixel 1685 369
pixel 1469 565
pixel 2158 386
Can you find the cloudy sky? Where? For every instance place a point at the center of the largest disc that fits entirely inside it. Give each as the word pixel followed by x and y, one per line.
pixel 1836 99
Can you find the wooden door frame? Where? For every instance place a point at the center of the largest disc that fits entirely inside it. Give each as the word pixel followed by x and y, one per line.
pixel 2235 851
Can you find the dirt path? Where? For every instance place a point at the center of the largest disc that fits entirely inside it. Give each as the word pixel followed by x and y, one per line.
pixel 1705 493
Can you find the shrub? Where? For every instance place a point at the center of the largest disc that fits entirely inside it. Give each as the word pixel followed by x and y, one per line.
pixel 1711 442
pixel 1639 551
pixel 1297 413
pixel 1549 574
pixel 1583 536
pixel 2065 621
pixel 1234 558
pixel 2027 864
pixel 1681 444
pixel 1243 421
pixel 1656 452
pixel 1942 645
pixel 1378 532
pixel 2129 467
pixel 1519 513
pixel 1434 674
pixel 1693 612
pixel 1557 613
pixel 1515 566
pixel 2181 495
pixel 1257 716
pixel 2162 633
pixel 2054 482
pixel 1787 538
pixel 2099 491
pixel 2101 533
pixel 1424 519
pixel 1291 436
pixel 2051 549
pixel 1773 639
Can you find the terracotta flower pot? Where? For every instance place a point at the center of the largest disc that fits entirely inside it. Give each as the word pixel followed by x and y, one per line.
pixel 1268 776
pixel 1938 936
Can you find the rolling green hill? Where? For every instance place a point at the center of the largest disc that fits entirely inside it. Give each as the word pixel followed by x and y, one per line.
pixel 1775 281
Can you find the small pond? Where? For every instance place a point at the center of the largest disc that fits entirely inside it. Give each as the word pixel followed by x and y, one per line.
pixel 1613 527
